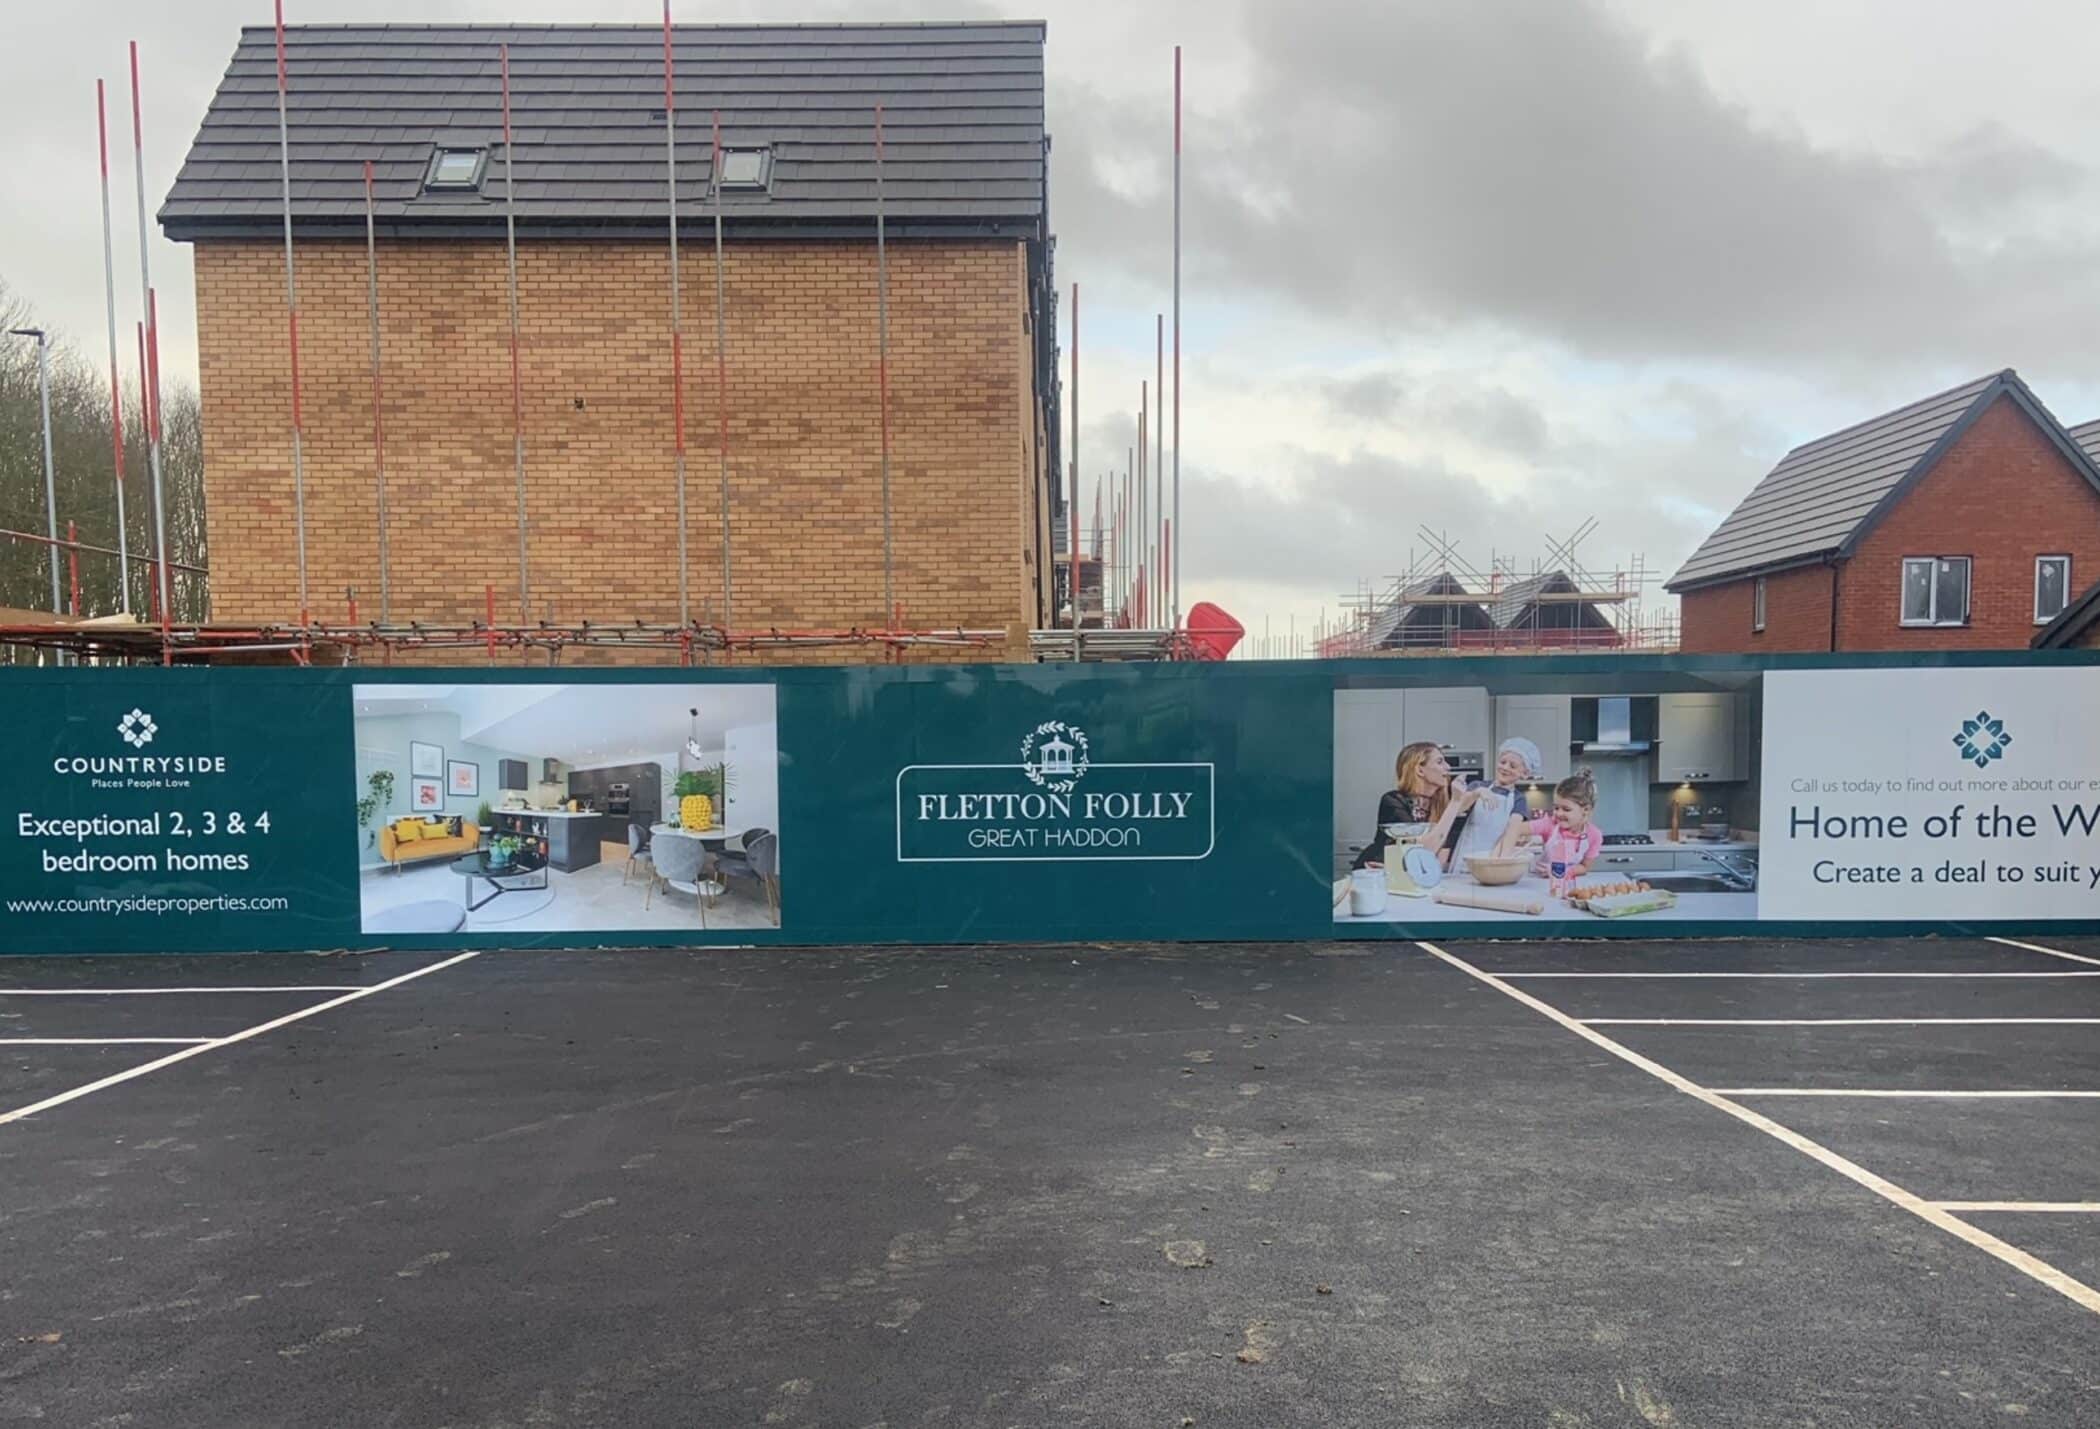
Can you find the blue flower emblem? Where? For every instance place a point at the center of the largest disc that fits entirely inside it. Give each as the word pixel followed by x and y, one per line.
pixel 1982 739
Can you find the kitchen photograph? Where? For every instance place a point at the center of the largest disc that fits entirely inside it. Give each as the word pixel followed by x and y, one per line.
pixel 567 807
pixel 1572 798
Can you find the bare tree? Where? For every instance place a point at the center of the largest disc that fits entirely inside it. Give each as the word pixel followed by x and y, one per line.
pixel 85 478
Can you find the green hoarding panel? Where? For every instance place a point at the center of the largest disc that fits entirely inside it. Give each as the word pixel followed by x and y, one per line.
pixel 188 810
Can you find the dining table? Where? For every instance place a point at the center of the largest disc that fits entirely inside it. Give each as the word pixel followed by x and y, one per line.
pixel 715 837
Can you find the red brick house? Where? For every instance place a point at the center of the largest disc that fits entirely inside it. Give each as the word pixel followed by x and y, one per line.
pixel 1964 521
pixel 972 319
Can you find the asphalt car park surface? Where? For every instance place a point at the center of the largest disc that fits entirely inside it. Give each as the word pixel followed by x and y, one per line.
pixel 1450 1184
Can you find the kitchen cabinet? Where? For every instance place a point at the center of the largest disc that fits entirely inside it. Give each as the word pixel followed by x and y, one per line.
pixel 1635 860
pixel 1456 718
pixel 1367 739
pixel 1698 739
pixel 1370 729
pixel 1545 720
pixel 510 774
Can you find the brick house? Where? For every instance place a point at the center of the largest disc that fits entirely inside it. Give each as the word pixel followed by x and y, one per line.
pixel 1960 522
pixel 972 321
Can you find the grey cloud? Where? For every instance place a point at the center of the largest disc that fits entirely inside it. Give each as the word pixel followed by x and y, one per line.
pixel 1369 397
pixel 1488 416
pixel 1341 520
pixel 1534 166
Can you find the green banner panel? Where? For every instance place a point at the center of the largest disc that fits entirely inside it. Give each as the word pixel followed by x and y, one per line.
pixel 195 810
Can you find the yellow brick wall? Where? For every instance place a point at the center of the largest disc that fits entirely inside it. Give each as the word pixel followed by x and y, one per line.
pixel 804 434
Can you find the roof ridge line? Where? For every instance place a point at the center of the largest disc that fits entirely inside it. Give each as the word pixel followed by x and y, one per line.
pixel 656 29
pixel 1977 382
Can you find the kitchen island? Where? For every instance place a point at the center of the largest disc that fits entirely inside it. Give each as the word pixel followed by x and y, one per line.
pixel 1427 912
pixel 572 839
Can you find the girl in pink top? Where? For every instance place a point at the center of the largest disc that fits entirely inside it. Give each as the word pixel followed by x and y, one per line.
pixel 1569 834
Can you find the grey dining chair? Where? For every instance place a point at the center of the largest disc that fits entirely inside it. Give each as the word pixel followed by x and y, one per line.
pixel 638 856
pixel 681 863
pixel 760 861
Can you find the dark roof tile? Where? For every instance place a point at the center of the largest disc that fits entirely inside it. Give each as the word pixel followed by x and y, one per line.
pixel 963 120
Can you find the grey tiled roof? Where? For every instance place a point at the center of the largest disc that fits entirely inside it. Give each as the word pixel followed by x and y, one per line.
pixel 1819 499
pixel 2087 435
pixel 963 125
pixel 1389 626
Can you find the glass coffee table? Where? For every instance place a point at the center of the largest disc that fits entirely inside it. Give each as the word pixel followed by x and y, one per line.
pixel 516 876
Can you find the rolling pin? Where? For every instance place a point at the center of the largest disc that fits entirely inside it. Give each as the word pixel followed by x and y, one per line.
pixel 1490 899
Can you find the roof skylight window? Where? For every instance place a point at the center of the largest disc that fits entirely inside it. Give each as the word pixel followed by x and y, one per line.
pixel 456 170
pixel 747 169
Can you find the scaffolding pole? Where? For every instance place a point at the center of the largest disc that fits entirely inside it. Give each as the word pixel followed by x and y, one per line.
pixel 378 417
pixel 685 604
pixel 291 311
pixel 1177 333
pixel 150 401
pixel 116 397
pixel 1072 545
pixel 1159 438
pixel 714 175
pixel 882 345
pixel 517 389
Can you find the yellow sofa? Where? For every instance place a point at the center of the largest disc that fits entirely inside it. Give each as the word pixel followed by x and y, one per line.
pixel 397 850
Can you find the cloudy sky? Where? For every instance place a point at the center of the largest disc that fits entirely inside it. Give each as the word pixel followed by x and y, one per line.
pixel 1487 268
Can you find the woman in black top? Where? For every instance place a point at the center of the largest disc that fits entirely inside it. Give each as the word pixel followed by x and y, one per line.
pixel 1425 791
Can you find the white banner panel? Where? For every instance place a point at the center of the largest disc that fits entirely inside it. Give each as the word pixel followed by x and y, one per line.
pixel 1969 794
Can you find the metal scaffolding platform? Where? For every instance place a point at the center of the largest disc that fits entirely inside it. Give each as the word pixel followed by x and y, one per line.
pixel 121 640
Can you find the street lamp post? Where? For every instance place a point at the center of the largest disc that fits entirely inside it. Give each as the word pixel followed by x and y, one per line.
pixel 43 379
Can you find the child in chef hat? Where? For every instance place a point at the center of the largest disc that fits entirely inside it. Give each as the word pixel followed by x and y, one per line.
pixel 1492 809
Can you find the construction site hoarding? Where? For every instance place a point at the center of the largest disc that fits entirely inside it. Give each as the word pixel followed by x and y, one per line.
pixel 198 810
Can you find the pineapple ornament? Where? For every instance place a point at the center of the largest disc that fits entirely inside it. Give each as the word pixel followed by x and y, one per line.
pixel 696 811
pixel 703 789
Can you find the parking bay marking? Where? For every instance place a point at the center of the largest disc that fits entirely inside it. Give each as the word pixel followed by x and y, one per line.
pixel 101 1041
pixel 1840 1021
pixel 215 1043
pixel 2050 952
pixel 2036 1094
pixel 172 991
pixel 2035 1268
pixel 1528 976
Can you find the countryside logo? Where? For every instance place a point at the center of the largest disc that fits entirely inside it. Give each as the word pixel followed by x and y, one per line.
pixel 1055 756
pixel 138 770
pixel 1057 804
pixel 137 728
pixel 1982 739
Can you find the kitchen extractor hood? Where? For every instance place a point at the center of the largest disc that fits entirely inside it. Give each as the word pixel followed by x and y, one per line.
pixel 1615 728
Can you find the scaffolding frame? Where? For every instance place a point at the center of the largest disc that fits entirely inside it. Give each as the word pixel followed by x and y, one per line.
pixel 314 639
pixel 1440 579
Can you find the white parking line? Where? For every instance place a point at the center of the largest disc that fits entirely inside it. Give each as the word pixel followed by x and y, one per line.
pixel 1898 1092
pixel 1840 1021
pixel 2051 952
pixel 1529 976
pixel 101 1041
pixel 2031 1266
pixel 173 991
pixel 243 1035
pixel 2042 1207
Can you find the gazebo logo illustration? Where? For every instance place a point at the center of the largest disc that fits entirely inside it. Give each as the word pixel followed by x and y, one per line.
pixel 1054 756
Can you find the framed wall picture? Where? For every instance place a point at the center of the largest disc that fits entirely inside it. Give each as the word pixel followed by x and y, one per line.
pixel 426 796
pixel 425 761
pixel 463 779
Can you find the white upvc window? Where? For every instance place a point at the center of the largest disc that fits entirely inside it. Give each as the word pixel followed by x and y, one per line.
pixel 2052 587
pixel 1757 605
pixel 1935 590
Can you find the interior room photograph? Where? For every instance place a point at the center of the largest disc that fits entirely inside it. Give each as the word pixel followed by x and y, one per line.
pixel 567 808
